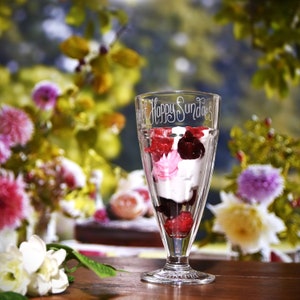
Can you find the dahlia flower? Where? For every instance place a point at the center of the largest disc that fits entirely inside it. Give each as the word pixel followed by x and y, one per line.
pixel 251 227
pixel 5 151
pixel 16 125
pixel 14 200
pixel 45 95
pixel 260 184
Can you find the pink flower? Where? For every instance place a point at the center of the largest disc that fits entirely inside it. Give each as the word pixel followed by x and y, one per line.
pixel 72 174
pixel 167 166
pixel 16 125
pixel 14 201
pixel 45 94
pixel 5 151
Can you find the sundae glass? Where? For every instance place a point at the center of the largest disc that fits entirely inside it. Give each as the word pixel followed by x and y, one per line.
pixel 178 133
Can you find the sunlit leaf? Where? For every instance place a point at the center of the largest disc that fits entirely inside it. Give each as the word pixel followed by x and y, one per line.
pixel 75 47
pixel 104 20
pixel 87 138
pixel 121 15
pixel 102 82
pixel 100 64
pixel 76 15
pixel 126 57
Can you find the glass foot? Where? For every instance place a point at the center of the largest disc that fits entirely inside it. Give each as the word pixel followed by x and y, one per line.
pixel 177 276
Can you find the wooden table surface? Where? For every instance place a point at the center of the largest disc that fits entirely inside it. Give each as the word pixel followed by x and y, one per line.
pixel 234 280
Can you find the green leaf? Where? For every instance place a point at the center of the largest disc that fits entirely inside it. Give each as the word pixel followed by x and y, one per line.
pixel 76 16
pixel 12 296
pixel 102 270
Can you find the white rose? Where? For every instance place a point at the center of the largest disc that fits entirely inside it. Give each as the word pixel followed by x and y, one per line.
pixel 13 276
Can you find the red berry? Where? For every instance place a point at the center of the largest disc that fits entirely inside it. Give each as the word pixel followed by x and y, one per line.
pixel 197 131
pixel 240 155
pixel 189 147
pixel 101 216
pixel 180 226
pixel 268 122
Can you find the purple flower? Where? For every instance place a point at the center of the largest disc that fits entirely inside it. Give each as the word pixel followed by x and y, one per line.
pixel 15 125
pixel 45 94
pixel 260 184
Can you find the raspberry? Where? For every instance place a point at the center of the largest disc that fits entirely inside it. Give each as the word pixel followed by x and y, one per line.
pixel 180 226
pixel 101 215
pixel 197 131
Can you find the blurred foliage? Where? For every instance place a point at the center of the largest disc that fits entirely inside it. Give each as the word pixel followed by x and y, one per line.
pixel 86 122
pixel 273 28
pixel 178 42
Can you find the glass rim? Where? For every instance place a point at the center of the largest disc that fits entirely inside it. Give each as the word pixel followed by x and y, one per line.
pixel 174 92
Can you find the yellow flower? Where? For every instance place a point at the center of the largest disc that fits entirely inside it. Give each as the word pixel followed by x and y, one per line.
pixel 252 227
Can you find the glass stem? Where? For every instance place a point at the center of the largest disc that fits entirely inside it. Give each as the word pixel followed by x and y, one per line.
pixel 177 263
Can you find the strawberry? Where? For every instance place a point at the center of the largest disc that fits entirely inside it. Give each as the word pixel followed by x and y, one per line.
pixel 180 226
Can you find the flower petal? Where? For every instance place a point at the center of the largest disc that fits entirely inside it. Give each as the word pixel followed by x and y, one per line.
pixel 34 252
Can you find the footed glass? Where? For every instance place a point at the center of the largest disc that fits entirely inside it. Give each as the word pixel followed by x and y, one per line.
pixel 178 133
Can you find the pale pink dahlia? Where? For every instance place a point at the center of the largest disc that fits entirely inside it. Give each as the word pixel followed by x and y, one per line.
pixel 14 202
pixel 45 95
pixel 260 184
pixel 16 125
pixel 5 151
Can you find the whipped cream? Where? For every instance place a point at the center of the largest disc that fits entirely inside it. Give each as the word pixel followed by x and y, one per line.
pixel 177 178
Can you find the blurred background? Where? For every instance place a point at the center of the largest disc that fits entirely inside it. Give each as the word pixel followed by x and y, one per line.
pixel 184 47
pixel 246 51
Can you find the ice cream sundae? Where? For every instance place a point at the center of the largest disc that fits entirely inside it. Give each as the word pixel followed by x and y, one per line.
pixel 176 157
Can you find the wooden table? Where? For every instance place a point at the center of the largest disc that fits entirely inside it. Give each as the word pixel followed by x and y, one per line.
pixel 234 280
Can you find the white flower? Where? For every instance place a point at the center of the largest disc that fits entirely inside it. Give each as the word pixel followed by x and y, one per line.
pixel 44 267
pixel 13 276
pixel 133 180
pixel 8 237
pixel 251 227
pixel 72 174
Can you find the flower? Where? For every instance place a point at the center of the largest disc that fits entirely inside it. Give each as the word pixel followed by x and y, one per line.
pixel 260 184
pixel 249 226
pixel 5 151
pixel 72 174
pixel 44 267
pixel 16 125
pixel 13 276
pixel 45 94
pixel 8 237
pixel 14 200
